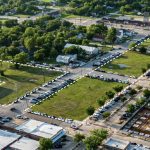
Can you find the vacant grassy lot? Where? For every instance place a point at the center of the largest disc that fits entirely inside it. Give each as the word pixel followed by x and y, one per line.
pixel 17 82
pixel 73 101
pixel 131 64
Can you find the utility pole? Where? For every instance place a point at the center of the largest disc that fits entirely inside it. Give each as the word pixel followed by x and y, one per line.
pixel 43 75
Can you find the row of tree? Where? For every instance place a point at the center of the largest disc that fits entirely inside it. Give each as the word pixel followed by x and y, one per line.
pixel 100 7
pixel 46 38
pixel 101 101
pixel 94 140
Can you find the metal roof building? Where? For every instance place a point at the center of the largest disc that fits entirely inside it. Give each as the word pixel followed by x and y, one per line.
pixel 25 144
pixel 66 58
pixel 42 129
pixel 88 49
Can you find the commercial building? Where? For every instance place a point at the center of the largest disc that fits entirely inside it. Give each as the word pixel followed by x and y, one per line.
pixel 24 144
pixel 66 58
pixel 88 49
pixel 115 144
pixel 7 138
pixel 41 129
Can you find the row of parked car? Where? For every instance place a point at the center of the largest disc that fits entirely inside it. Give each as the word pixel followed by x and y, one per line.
pixel 105 60
pixel 101 77
pixel 111 103
pixel 105 108
pixel 49 93
pixel 69 121
pixel 44 95
pixel 5 119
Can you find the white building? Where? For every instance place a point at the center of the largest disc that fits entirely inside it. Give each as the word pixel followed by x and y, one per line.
pixel 25 144
pixel 7 138
pixel 66 58
pixel 42 129
pixel 88 49
pixel 116 144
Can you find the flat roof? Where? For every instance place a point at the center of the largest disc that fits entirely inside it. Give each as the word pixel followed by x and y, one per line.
pixel 25 144
pixel 40 129
pixel 136 147
pixel 86 48
pixel 7 138
pixel 112 142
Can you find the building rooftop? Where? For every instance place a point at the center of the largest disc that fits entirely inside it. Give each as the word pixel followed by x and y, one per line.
pixel 42 129
pixel 25 144
pixel 115 143
pixel 86 48
pixel 7 138
pixel 137 147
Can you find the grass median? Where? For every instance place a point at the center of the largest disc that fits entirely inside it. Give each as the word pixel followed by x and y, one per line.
pixel 19 81
pixel 73 101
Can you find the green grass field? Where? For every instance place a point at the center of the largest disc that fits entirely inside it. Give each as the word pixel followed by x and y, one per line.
pixel 17 82
pixel 133 61
pixel 73 101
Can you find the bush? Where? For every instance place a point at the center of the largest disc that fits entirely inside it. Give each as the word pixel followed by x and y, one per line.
pixel 45 144
pixel 143 70
pixel 79 137
pixel 101 101
pixel 118 88
pixel 90 110
pixel 130 108
pixel 139 87
pixel 133 91
pixel 110 94
pixel 123 98
pixel 106 114
pixel 140 102
pixel 146 93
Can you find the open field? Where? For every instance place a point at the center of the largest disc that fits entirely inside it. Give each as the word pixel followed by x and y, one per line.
pixel 130 64
pixel 73 101
pixel 17 82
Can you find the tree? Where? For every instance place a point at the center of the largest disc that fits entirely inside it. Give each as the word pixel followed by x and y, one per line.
pixel 79 137
pixel 111 35
pixel 132 45
pixel 143 70
pixel 92 142
pixel 12 51
pixel 90 110
pixel 2 72
pixel 46 144
pixel 101 101
pixel 110 94
pixel 2 57
pixel 142 50
pixel 130 108
pixel 148 66
pixel 146 93
pixel 133 91
pixel 21 57
pixel 39 55
pixel 106 114
pixel 102 133
pixel 29 43
pixel 97 136
pixel 140 102
pixel 118 88
pixel 29 32
pixel 10 23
